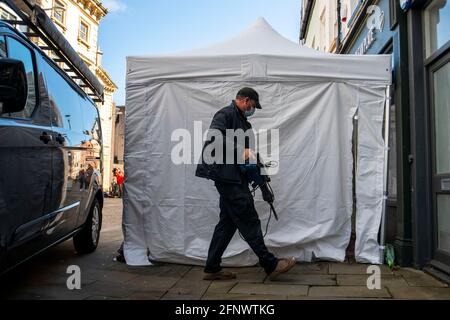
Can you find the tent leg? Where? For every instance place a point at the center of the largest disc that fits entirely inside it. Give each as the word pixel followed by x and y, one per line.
pixel 385 173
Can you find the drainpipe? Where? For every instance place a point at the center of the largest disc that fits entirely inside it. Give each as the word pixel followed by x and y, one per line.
pixel 338 38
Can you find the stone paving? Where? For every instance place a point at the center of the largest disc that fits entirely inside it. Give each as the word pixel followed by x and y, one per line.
pixel 44 277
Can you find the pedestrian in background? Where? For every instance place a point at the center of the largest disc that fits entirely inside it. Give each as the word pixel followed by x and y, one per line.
pixel 120 180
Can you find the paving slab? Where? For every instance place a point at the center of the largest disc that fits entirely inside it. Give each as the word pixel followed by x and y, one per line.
pixel 107 276
pixel 51 292
pixel 245 270
pixel 270 289
pixel 234 296
pixel 152 283
pixel 361 280
pixel 310 268
pixel 347 292
pixel 188 288
pixel 304 279
pixel 146 295
pixel 346 268
pixel 108 289
pixel 417 278
pixel 103 298
pixel 221 287
pixel 172 296
pixel 422 293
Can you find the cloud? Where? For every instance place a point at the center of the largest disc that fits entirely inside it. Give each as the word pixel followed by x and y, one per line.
pixel 114 5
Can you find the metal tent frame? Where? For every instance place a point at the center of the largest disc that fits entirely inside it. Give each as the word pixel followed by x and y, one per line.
pixel 385 173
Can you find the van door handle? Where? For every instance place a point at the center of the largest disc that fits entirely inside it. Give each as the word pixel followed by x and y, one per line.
pixel 60 139
pixel 45 137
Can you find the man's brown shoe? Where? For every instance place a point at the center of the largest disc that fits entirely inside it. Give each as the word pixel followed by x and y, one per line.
pixel 221 275
pixel 283 266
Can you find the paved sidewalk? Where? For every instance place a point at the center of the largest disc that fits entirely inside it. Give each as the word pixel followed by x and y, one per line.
pixel 101 278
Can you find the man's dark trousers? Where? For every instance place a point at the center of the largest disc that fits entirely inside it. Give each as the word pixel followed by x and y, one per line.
pixel 237 211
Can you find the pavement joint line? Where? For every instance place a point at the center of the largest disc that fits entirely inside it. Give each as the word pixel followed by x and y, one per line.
pixel 162 296
pixel 181 278
pixel 204 292
pixel 388 291
pixel 185 273
pixel 235 284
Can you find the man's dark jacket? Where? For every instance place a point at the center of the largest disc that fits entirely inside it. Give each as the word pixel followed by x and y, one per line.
pixel 229 117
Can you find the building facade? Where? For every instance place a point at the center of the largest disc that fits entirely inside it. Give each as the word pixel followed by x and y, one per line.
pixel 78 21
pixel 119 138
pixel 417 35
pixel 320 23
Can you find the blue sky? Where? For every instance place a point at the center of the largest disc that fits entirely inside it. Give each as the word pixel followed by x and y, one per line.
pixel 140 27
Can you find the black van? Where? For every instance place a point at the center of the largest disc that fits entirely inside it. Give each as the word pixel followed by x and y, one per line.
pixel 50 155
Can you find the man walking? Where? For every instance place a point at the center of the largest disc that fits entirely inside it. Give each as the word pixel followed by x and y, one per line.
pixel 237 210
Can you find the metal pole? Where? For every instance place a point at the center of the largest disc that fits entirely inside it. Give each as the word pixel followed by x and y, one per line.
pixel 385 173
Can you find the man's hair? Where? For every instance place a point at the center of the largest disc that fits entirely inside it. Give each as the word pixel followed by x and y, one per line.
pixel 249 93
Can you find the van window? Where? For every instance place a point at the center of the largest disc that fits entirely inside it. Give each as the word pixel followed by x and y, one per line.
pixel 64 100
pixel 2 47
pixel 92 121
pixel 18 51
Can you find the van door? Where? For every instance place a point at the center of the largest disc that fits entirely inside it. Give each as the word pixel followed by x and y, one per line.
pixel 68 155
pixel 92 160
pixel 25 161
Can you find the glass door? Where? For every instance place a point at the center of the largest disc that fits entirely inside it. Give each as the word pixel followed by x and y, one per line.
pixel 436 22
pixel 439 77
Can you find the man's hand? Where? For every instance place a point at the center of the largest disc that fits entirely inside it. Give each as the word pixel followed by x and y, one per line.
pixel 249 155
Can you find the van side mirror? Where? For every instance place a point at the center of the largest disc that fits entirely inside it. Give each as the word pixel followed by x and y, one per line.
pixel 13 86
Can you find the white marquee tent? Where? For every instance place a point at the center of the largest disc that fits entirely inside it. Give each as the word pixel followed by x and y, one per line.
pixel 309 96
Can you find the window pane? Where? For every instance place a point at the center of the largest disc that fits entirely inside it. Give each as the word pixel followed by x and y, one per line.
pixel 92 120
pixel 437 25
pixel 2 47
pixel 58 15
pixel 443 206
pixel 58 11
pixel 84 31
pixel 18 51
pixel 92 132
pixel 442 118
pixel 64 101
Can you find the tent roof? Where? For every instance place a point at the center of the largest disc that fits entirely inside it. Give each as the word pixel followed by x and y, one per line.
pixel 259 53
pixel 259 38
